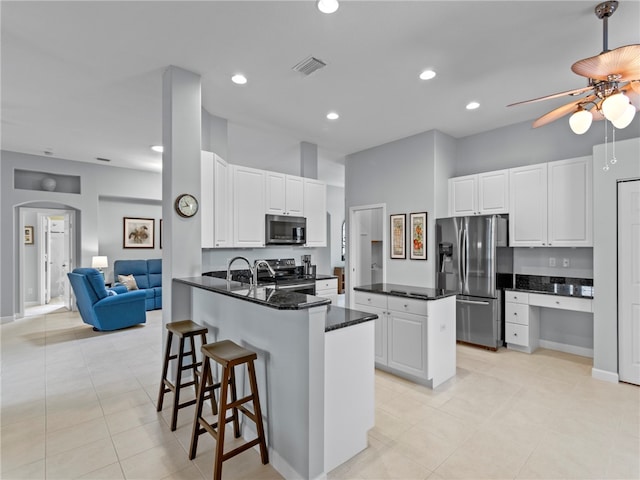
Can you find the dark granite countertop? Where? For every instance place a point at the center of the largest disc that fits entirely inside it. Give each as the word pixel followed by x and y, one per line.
pixel 325 277
pixel 338 317
pixel 406 291
pixel 263 295
pixel 561 286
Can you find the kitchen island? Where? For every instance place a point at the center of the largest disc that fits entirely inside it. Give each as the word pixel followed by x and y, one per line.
pixel 315 368
pixel 415 333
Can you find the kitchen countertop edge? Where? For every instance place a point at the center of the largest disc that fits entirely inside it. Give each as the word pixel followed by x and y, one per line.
pixel 406 291
pixel 553 294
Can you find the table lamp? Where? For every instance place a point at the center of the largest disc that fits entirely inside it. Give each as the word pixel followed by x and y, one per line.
pixel 99 262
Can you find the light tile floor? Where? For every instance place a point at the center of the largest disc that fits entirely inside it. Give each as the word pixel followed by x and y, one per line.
pixel 81 404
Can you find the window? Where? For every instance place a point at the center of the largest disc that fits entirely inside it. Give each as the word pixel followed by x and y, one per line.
pixel 344 239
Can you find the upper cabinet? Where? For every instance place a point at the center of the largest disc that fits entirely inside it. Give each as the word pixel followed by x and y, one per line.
pixel 315 209
pixel 215 201
pixel 481 194
pixel 284 194
pixel 551 204
pixel 248 210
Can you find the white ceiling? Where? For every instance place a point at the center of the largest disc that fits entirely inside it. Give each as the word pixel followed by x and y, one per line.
pixel 84 79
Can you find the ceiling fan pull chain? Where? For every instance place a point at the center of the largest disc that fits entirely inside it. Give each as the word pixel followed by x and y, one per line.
pixel 606 148
pixel 613 146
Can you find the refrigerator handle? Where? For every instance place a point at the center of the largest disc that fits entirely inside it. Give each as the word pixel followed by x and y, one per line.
pixel 472 302
pixel 460 262
pixel 466 259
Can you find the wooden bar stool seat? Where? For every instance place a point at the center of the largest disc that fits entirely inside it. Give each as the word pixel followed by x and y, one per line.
pixel 183 329
pixel 229 355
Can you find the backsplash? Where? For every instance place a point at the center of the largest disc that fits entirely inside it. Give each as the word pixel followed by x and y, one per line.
pixel 536 261
pixel 580 287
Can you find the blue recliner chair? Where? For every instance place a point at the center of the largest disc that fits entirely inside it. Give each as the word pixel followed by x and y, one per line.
pixel 104 309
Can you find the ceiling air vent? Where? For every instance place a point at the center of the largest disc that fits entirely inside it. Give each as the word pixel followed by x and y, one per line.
pixel 309 65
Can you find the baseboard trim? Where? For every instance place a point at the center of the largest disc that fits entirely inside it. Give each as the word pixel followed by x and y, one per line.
pixel 7 319
pixel 564 347
pixel 605 375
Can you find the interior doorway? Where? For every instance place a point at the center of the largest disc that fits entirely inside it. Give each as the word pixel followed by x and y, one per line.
pixel 46 260
pixel 629 281
pixel 367 247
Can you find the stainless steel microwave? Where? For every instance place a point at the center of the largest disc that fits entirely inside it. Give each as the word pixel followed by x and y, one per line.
pixel 285 230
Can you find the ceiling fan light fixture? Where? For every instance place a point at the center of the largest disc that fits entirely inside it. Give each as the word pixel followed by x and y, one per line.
pixel 614 106
pixel 328 6
pixel 625 119
pixel 580 121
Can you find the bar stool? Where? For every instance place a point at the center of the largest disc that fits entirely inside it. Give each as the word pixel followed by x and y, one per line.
pixel 183 329
pixel 228 355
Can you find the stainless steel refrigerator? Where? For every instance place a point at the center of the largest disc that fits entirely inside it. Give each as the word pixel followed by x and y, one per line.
pixel 474 259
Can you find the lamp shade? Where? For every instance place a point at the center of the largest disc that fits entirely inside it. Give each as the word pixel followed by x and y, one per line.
pixel 614 106
pixel 580 121
pixel 625 119
pixel 99 262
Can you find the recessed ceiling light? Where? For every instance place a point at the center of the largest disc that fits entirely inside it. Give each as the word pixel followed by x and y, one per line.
pixel 328 6
pixel 427 75
pixel 472 105
pixel 239 79
pixel 333 116
pixel 157 148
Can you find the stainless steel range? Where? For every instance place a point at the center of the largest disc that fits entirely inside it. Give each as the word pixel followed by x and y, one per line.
pixel 288 276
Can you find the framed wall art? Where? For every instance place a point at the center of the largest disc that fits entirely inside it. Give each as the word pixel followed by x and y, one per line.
pixel 418 239
pixel 28 235
pixel 398 235
pixel 138 232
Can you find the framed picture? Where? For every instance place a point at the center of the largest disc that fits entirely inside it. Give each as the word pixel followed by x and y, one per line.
pixel 398 235
pixel 138 232
pixel 28 235
pixel 418 239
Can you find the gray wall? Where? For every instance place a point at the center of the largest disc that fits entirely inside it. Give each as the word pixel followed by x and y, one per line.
pixel 31 285
pixel 519 144
pixel 96 181
pixel 408 175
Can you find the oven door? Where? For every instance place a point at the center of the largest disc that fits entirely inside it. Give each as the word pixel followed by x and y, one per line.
pixel 308 288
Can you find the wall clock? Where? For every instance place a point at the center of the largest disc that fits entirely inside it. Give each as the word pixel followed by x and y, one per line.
pixel 186 205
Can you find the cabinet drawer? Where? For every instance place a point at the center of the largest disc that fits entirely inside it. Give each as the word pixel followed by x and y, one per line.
pixel 516 313
pixel 330 284
pixel 516 334
pixel 564 303
pixel 371 300
pixel 408 305
pixel 516 297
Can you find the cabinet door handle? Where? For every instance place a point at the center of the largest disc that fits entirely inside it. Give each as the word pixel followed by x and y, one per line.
pixel 515 314
pixel 406 306
pixel 515 334
pixel 557 302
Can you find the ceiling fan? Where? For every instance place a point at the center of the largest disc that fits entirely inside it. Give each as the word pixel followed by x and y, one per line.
pixel 613 91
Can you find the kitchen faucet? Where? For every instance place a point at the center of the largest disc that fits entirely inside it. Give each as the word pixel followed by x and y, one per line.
pixel 251 270
pixel 256 266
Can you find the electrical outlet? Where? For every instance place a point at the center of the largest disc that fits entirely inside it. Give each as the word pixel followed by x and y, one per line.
pixel 565 262
pixel 552 261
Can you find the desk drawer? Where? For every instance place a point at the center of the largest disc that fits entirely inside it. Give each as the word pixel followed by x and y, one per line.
pixel 516 313
pixel 330 284
pixel 516 334
pixel 371 299
pixel 408 305
pixel 516 297
pixel 563 303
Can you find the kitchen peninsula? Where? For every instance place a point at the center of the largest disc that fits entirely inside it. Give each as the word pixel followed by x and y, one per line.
pixel 315 368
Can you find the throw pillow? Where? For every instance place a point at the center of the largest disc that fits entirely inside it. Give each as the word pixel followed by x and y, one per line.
pixel 128 281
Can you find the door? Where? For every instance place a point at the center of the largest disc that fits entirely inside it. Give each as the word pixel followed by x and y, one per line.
pixel 478 256
pixel 406 341
pixel 477 321
pixel 629 281
pixel 528 206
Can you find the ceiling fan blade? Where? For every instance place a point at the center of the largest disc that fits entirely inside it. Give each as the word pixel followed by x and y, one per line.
pixel 575 91
pixel 635 86
pixel 624 61
pixel 560 112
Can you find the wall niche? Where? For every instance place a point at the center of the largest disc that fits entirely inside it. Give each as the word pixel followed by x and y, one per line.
pixel 46 181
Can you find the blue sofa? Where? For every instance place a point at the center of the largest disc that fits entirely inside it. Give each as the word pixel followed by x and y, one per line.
pixel 148 275
pixel 105 309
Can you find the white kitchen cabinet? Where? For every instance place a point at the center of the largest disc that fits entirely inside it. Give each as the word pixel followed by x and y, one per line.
pixel 215 201
pixel 551 204
pixel 315 210
pixel 570 207
pixel 413 337
pixel 528 206
pixel 522 325
pixel 284 194
pixel 327 288
pixel 481 194
pixel 248 211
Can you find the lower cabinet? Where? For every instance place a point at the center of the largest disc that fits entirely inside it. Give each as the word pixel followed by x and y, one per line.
pixel 327 288
pixel 413 338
